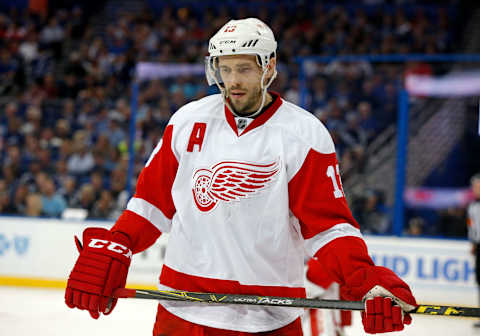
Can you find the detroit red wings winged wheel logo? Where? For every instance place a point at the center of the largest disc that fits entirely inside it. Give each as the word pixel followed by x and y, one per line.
pixel 230 181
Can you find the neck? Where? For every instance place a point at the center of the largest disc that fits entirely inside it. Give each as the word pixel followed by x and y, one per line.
pixel 268 99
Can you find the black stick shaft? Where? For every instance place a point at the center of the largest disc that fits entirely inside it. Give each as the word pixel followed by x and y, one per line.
pixel 278 301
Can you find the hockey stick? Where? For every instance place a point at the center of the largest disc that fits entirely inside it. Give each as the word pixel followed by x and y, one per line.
pixel 282 301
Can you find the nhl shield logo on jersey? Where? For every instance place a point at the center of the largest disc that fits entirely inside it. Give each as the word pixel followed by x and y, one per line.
pixel 241 124
pixel 230 181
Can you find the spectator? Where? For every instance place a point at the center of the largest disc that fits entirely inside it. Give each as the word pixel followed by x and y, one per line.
pixel 102 161
pixel 8 69
pixel 10 174
pixel 62 131
pixel 53 203
pixel 415 226
pixel 353 134
pixel 42 64
pixel 366 119
pixel 20 199
pixel 96 181
pixel 336 118
pixel 36 93
pixel 11 110
pixel 371 213
pixel 81 162
pixel 52 35
pixel 6 204
pixel 61 172
pixel 34 205
pixel 85 198
pixel 33 123
pixel 118 184
pixel 50 85
pixel 319 95
pixel 28 49
pixel 13 157
pixel 31 148
pixel 13 134
pixel 68 189
pixel 103 207
pixel 115 132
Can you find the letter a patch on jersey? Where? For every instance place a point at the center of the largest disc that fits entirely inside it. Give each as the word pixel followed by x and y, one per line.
pixel 196 137
pixel 231 181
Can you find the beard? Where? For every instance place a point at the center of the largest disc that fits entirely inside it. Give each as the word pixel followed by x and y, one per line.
pixel 249 104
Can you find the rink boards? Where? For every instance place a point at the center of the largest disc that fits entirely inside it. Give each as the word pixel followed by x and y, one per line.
pixel 41 252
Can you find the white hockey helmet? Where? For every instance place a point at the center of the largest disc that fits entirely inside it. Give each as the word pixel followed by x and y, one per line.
pixel 247 36
pixel 242 37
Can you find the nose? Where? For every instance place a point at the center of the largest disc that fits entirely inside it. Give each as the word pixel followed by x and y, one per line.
pixel 235 79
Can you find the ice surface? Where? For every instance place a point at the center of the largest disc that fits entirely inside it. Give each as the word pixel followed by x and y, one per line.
pixel 42 312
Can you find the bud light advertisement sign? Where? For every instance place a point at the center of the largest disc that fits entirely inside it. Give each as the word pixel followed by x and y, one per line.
pixel 438 271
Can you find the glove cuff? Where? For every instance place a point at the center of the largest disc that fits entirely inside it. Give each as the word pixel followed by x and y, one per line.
pixel 380 291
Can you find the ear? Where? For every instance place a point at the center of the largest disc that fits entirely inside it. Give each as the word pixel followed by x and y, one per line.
pixel 270 69
pixel 271 65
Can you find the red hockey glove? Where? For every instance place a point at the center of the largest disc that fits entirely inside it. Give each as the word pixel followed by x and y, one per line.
pixel 387 299
pixel 101 267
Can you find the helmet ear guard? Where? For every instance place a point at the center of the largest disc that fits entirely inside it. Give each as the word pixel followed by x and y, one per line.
pixel 264 60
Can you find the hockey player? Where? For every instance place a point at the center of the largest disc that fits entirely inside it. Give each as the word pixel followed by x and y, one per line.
pixel 244 182
pixel 473 225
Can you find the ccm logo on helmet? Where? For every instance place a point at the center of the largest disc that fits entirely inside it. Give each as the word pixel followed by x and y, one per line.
pixel 112 246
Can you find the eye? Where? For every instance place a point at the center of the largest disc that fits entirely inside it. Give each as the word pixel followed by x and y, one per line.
pixel 225 70
pixel 244 70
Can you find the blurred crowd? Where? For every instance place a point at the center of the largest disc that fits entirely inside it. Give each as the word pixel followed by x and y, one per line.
pixel 65 88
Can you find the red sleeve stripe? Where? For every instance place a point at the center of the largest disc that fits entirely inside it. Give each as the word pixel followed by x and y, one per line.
pixel 151 213
pixel 156 179
pixel 192 283
pixel 312 245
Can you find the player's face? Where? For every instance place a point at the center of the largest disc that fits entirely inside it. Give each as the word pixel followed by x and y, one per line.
pixel 241 75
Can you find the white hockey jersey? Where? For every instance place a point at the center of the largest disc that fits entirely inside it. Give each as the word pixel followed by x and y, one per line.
pixel 242 208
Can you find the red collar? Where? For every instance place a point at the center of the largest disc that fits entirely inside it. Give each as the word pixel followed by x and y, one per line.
pixel 260 120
